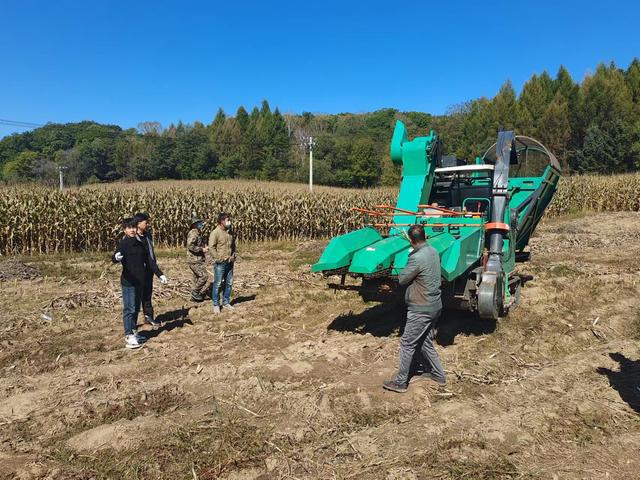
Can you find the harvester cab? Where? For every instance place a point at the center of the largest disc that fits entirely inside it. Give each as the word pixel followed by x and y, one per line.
pixel 479 218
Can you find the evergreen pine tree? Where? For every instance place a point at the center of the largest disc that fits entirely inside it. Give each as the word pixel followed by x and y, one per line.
pixel 365 167
pixel 242 117
pixel 215 128
pixel 503 109
pixel 554 129
pixel 536 95
pixel 606 103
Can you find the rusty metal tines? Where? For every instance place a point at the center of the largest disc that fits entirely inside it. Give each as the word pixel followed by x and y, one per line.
pixel 427 224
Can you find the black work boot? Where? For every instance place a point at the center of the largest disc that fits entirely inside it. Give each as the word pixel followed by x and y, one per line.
pixel 149 320
pixel 394 387
pixel 197 296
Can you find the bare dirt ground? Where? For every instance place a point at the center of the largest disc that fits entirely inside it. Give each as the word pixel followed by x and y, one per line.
pixel 289 385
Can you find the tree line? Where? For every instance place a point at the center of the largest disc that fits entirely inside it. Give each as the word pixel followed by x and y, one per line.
pixel 591 126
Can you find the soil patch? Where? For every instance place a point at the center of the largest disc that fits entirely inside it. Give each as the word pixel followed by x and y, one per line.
pixel 288 385
pixel 14 269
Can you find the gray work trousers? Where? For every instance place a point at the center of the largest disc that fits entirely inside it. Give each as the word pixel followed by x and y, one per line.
pixel 418 335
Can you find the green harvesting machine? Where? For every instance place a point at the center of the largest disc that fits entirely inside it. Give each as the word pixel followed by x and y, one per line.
pixel 479 217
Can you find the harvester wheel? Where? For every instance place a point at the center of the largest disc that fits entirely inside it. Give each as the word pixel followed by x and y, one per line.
pixel 490 296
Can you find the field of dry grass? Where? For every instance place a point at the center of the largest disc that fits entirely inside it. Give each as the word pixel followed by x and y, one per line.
pixel 289 385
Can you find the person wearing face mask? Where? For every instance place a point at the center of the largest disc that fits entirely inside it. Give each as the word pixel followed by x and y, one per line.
pixel 222 249
pixel 132 255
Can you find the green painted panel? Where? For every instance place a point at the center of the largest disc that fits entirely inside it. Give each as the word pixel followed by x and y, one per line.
pixel 456 254
pixel 341 249
pixel 417 172
pixel 508 256
pixel 521 188
pixel 441 242
pixel 378 256
pixel 400 261
pixel 462 253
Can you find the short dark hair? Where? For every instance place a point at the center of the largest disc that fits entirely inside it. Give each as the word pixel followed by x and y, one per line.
pixel 140 216
pixel 129 222
pixel 416 234
pixel 223 216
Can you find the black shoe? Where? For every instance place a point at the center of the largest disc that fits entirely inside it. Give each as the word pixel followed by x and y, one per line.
pixel 394 387
pixel 197 297
pixel 148 319
pixel 430 376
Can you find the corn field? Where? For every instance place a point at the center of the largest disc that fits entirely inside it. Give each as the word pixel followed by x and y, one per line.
pixel 40 220
pixel 598 193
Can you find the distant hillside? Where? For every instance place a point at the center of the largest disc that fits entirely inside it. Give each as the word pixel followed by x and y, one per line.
pixel 592 126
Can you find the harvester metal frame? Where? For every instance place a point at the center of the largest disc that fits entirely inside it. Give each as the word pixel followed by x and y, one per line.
pixel 478 248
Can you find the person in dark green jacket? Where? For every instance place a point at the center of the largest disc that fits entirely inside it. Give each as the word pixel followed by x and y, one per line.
pixel 422 278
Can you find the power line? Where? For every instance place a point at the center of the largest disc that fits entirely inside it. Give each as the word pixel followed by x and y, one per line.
pixel 17 123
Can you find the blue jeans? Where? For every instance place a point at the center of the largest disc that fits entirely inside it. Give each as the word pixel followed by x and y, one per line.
pixel 223 272
pixel 131 300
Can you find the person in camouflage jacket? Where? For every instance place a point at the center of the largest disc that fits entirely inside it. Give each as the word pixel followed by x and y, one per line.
pixel 196 253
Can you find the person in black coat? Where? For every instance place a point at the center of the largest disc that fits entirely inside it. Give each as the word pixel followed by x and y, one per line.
pixel 133 255
pixel 144 234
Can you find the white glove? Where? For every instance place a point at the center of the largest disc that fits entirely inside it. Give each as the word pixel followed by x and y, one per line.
pixel 118 256
pixel 163 279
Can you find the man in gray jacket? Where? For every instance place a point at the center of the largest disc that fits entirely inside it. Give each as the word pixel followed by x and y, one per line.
pixel 421 276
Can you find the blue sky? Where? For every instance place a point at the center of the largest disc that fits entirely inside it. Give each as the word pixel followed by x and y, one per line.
pixel 124 62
